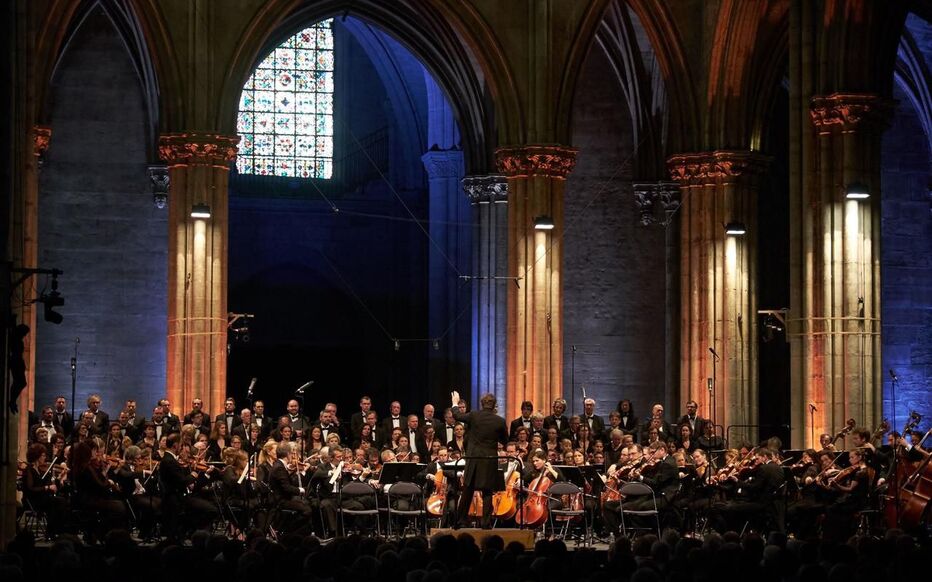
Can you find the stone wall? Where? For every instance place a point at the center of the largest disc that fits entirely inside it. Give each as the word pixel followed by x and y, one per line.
pixel 97 222
pixel 906 265
pixel 614 269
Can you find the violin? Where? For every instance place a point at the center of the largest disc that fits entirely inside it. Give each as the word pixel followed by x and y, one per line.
pixel 842 475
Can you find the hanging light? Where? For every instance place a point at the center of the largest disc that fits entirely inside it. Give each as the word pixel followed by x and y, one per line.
pixel 735 229
pixel 200 211
pixel 543 223
pixel 857 191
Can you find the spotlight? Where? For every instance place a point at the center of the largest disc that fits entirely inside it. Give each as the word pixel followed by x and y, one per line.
pixel 397 345
pixel 543 223
pixel 200 211
pixel 52 300
pixel 857 191
pixel 735 229
pixel 436 345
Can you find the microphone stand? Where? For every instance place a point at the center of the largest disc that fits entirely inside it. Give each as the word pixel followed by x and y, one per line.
pixel 812 426
pixel 573 379
pixel 74 379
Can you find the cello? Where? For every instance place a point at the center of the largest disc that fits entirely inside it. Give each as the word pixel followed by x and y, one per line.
pixel 534 512
pixel 505 503
pixel 896 498
pixel 438 499
pixel 916 493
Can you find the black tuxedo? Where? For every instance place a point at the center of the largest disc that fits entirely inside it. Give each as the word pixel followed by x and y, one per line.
pixel 265 425
pixel 486 430
pixel 356 422
pixel 442 433
pixel 101 422
pixel 54 426
pixel 64 420
pixel 629 425
pixel 388 426
pixel 698 425
pixel 597 425
pixel 518 423
pixel 299 422
pixel 330 429
pixel 231 424
pixel 561 423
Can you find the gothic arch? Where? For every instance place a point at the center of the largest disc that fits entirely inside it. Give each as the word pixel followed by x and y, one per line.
pixel 664 37
pixel 418 26
pixel 748 59
pixel 59 28
pixel 912 75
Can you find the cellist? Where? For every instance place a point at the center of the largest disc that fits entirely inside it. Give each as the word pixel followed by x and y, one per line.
pixel 448 485
pixel 538 476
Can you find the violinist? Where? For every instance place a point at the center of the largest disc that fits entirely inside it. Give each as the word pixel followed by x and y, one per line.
pixel 39 490
pixel 93 490
pixel 286 491
pixel 660 473
pixel 327 480
pixel 854 483
pixel 236 482
pixel 755 494
pixel 136 488
pixel 813 497
pixel 826 442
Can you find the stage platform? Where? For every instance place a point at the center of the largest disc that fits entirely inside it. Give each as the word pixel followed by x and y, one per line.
pixel 523 536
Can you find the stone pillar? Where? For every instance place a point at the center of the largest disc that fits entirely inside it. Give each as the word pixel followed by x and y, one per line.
pixel 536 180
pixel 447 254
pixel 489 198
pixel 836 324
pixel 29 256
pixel 718 286
pixel 198 166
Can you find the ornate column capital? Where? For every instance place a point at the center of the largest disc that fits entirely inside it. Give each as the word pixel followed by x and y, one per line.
pixel 159 180
pixel 847 112
pixel 486 189
pixel 720 166
pixel 41 136
pixel 443 163
pixel 198 148
pixel 551 161
pixel 648 195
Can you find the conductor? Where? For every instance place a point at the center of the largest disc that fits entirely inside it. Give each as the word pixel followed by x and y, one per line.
pixel 486 430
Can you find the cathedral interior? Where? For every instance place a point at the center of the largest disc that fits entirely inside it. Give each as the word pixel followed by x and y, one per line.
pixel 726 201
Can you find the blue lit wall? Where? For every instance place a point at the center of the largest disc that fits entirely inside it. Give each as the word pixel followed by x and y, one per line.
pixel 97 222
pixel 907 255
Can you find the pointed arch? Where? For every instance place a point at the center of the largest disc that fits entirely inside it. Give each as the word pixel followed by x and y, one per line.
pixel 422 29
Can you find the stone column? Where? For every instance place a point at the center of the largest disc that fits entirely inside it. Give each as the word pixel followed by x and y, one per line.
pixel 447 256
pixel 536 180
pixel 198 166
pixel 27 248
pixel 835 326
pixel 718 285
pixel 489 198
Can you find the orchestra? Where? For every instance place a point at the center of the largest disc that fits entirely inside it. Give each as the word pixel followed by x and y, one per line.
pixel 166 479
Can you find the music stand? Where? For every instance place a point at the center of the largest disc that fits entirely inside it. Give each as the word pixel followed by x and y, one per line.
pixel 395 472
pixel 591 473
pixel 572 474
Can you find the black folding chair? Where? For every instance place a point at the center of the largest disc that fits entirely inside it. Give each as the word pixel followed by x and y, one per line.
pixel 412 494
pixel 571 492
pixel 357 491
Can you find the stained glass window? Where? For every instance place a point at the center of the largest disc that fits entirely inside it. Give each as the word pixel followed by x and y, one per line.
pixel 285 118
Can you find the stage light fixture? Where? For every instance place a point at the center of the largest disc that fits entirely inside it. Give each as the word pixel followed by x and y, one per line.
pixel 50 301
pixel 735 229
pixel 200 211
pixel 543 223
pixel 857 191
